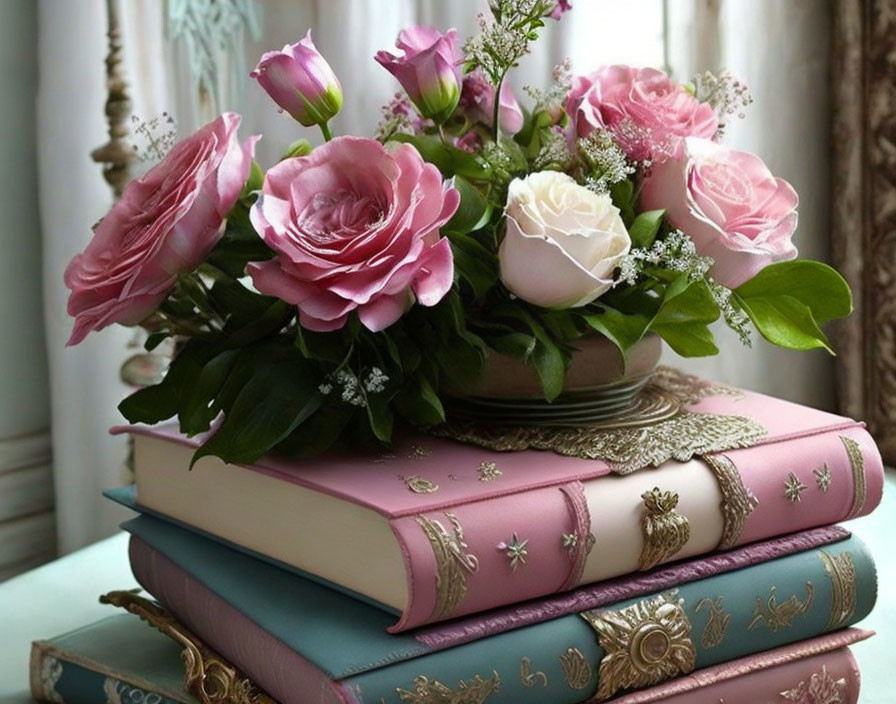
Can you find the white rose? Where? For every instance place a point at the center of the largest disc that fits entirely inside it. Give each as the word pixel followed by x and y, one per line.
pixel 563 241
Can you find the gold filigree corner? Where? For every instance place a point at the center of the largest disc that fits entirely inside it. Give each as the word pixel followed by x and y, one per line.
pixel 644 644
pixel 820 689
pixel 208 677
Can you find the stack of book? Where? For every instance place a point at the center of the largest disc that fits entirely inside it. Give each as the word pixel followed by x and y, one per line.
pixel 481 566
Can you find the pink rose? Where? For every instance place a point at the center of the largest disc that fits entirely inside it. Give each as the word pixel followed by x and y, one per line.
pixel 164 224
pixel 429 70
pixel 646 112
pixel 730 204
pixel 356 228
pixel 477 98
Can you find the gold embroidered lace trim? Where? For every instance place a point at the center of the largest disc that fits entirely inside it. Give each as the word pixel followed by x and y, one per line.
pixel 658 428
pixel 208 677
pixel 738 502
pixel 452 563
pixel 842 572
pixel 665 532
pixel 428 691
pixel 644 644
pixel 857 465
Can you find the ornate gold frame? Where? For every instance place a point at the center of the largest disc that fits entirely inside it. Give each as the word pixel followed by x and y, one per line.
pixel 863 209
pixel 207 676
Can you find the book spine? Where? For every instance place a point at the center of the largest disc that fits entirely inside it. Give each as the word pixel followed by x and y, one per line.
pixel 480 555
pixel 602 653
pixel 55 679
pixel 278 670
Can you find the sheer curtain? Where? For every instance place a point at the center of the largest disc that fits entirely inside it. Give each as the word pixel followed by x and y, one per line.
pixel 85 381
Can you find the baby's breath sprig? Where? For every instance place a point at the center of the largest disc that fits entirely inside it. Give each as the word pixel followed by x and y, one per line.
pixel 504 39
pixel 552 99
pixel 677 252
pixel 605 163
pixel 154 138
pixel 397 117
pixel 725 93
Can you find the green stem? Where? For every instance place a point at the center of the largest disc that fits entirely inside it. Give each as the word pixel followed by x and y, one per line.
pixel 496 115
pixel 325 129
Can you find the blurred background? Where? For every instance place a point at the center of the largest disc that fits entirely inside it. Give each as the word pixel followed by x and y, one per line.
pixel 821 74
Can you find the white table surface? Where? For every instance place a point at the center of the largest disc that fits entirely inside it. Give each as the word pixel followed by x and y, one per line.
pixel 62 595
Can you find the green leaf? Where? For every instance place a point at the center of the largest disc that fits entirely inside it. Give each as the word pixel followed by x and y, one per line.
pixel 299 148
pixel 155 339
pixel 195 412
pixel 420 404
pixel 161 401
pixel 380 417
pixel 473 212
pixel 622 329
pixel 683 319
pixel 689 339
pixel 623 195
pixel 817 286
pixel 514 344
pixel 644 228
pixel 688 303
pixel 277 396
pixel 785 321
pixel 239 245
pixel 329 347
pixel 474 264
pixel 254 182
pixel 319 432
pixel 450 160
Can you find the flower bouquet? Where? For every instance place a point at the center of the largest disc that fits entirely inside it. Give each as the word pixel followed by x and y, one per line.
pixel 367 280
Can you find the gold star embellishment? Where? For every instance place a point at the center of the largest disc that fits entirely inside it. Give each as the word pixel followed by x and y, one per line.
pixel 823 477
pixel 489 471
pixel 793 487
pixel 570 541
pixel 516 551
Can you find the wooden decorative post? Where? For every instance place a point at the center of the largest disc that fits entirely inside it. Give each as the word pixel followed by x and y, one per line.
pixel 116 155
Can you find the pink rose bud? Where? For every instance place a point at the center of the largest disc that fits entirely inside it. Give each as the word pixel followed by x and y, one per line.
pixel 301 82
pixel 429 70
pixel 477 99
pixel 561 7
pixel 731 205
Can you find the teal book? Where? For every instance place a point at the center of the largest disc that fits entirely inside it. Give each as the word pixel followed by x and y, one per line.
pixel 118 660
pixel 306 644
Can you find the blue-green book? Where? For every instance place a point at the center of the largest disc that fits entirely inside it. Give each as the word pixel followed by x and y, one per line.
pixel 306 644
pixel 119 659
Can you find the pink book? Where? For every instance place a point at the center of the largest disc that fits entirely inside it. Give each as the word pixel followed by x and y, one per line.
pixel 435 529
